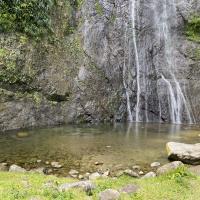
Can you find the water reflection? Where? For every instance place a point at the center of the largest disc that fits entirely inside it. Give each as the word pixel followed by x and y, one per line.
pixel 81 146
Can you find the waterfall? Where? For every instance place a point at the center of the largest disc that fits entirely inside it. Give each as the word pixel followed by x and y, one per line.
pixel 177 100
pixel 163 36
pixel 137 64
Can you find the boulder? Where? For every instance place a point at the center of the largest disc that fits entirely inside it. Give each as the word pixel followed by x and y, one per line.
pixel 81 177
pixel 16 168
pixel 73 173
pixel 149 175
pixel 187 153
pixel 129 189
pixel 109 194
pixel 87 186
pixel 141 173
pixel 94 176
pixel 155 164
pixel 131 173
pixel 56 165
pixel 136 167
pixel 169 167
pixel 40 170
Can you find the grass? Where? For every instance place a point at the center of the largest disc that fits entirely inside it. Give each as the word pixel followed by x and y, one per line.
pixel 179 184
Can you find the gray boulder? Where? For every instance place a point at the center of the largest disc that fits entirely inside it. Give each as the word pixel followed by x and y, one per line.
pixel 87 186
pixel 56 164
pixel 73 173
pixel 40 170
pixel 109 194
pixel 94 176
pixel 130 189
pixel 131 173
pixel 155 164
pixel 149 175
pixel 187 153
pixel 169 167
pixel 16 168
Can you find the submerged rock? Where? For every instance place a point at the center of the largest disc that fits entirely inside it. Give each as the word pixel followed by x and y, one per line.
pixel 16 168
pixel 73 173
pixel 22 134
pixel 87 186
pixel 109 194
pixel 136 167
pixel 155 164
pixel 98 163
pixel 56 164
pixel 141 172
pixel 187 153
pixel 169 167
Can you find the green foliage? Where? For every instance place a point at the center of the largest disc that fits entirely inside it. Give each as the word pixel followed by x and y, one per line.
pixel 193 28
pixel 196 54
pixel 31 17
pixel 9 72
pixel 99 8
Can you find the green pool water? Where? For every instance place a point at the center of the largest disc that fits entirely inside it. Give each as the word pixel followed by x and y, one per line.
pixel 79 147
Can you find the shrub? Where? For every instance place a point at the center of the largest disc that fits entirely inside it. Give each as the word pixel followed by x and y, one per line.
pixel 31 17
pixel 193 28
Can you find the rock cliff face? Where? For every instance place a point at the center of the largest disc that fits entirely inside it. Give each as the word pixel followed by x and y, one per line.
pixel 91 75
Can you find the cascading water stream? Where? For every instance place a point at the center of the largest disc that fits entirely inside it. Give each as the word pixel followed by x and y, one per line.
pixel 137 64
pixel 127 82
pixel 177 100
pixel 164 12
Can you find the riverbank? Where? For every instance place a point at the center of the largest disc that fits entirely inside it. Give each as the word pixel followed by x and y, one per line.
pixel 179 183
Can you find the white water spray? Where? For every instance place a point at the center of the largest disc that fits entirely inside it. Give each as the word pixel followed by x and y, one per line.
pixel 137 64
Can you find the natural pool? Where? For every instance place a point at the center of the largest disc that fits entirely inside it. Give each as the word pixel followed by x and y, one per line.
pixel 79 147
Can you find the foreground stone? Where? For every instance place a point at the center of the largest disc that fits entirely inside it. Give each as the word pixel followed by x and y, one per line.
pixel 40 170
pixel 73 173
pixel 155 164
pixel 56 165
pixel 149 175
pixel 169 167
pixel 187 153
pixel 94 176
pixel 109 194
pixel 87 186
pixel 130 189
pixel 131 173
pixel 16 168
